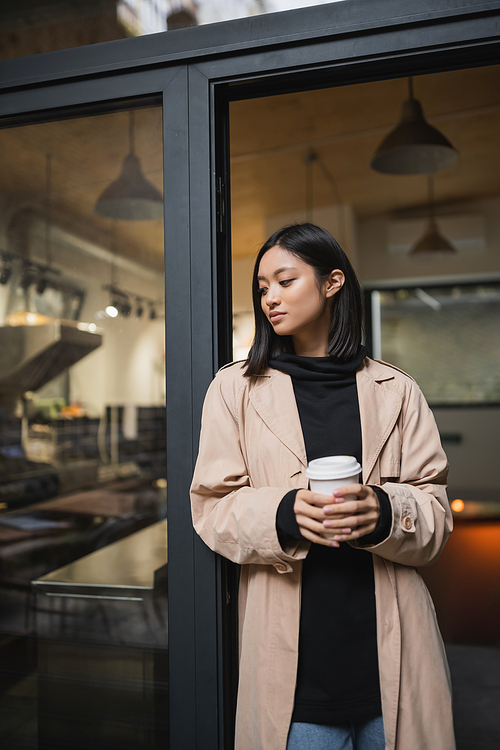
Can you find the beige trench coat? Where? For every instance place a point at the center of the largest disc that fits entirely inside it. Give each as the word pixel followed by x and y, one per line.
pixel 251 453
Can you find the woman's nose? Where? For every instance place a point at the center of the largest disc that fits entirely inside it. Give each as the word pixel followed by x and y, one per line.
pixel 273 296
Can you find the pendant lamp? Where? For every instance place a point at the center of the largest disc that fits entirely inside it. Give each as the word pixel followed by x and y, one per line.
pixel 413 146
pixel 432 244
pixel 131 196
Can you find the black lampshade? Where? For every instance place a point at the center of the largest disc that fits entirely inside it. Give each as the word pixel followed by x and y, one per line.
pixel 413 146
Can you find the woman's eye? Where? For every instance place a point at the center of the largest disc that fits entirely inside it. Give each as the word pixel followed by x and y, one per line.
pixel 285 282
pixel 261 291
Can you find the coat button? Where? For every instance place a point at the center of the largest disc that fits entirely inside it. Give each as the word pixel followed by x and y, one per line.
pixel 407 523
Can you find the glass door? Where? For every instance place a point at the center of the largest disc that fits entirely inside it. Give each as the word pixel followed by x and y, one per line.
pixel 83 547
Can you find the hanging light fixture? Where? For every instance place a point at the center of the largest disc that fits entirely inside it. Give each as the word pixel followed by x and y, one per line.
pixel 413 146
pixel 313 157
pixel 131 196
pixel 432 244
pixel 309 159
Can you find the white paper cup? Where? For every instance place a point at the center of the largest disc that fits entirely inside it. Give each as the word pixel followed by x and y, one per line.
pixel 326 474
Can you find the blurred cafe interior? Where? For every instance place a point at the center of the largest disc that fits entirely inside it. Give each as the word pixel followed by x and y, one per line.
pixel 82 425
pixel 83 469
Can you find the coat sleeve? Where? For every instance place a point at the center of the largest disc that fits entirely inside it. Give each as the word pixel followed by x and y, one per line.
pixel 421 515
pixel 233 518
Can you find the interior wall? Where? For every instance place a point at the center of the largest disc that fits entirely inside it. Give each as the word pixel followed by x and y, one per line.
pixel 473 461
pixel 338 219
pixel 128 368
pixel 378 264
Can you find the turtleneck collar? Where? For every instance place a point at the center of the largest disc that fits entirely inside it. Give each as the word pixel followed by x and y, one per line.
pixel 319 368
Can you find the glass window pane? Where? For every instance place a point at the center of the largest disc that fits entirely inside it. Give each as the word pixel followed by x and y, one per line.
pixel 446 337
pixel 83 632
pixel 426 332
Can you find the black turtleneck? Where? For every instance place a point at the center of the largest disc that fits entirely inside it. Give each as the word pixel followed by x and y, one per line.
pixel 337 677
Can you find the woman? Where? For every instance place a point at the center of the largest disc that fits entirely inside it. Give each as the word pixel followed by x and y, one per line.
pixel 339 645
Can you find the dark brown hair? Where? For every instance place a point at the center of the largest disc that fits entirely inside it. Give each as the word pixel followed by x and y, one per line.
pixel 316 247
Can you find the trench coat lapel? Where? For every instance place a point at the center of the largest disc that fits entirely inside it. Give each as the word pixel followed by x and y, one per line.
pixel 379 407
pixel 274 400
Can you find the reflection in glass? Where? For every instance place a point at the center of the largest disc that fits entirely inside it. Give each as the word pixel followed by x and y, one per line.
pixel 83 637
pixel 426 332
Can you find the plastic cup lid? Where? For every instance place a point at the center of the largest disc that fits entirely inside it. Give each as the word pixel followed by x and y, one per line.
pixel 333 467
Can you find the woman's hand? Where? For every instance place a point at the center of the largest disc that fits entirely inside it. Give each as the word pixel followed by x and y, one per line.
pixel 352 512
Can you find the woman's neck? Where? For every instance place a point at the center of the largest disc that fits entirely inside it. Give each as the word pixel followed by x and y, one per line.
pixel 310 346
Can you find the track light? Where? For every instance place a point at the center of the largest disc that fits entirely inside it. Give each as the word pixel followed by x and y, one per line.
pixel 112 311
pixel 26 278
pixel 125 301
pixel 41 285
pixel 125 308
pixel 5 274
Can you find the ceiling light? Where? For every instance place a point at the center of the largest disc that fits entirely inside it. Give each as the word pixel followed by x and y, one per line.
pixel 131 196
pixel 139 308
pixel 111 311
pixel 432 244
pixel 152 312
pixel 413 146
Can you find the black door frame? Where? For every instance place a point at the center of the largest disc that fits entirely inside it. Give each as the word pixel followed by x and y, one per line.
pixel 197 72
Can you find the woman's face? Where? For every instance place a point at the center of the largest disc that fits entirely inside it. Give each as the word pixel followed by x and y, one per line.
pixel 291 298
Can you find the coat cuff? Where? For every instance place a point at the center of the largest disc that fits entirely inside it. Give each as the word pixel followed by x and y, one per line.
pixel 384 524
pixel 287 527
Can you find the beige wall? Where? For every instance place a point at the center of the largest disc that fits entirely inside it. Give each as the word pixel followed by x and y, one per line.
pixel 377 263
pixel 473 462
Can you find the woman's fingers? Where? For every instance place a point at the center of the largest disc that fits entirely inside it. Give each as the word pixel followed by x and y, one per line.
pixel 342 519
pixel 355 533
pixel 305 522
pixel 317 538
pixel 351 521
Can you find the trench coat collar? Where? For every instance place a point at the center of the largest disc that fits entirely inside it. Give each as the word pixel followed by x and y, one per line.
pixel 379 405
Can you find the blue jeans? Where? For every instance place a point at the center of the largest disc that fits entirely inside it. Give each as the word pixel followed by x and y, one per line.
pixel 351 735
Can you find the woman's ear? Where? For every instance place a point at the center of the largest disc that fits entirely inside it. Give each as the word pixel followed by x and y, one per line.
pixel 335 282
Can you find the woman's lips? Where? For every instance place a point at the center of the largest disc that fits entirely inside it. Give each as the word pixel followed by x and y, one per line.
pixel 275 317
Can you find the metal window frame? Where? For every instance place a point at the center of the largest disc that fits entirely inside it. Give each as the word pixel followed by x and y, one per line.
pixel 197 72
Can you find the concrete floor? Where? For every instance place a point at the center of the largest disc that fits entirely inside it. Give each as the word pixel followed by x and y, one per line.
pixel 475 672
